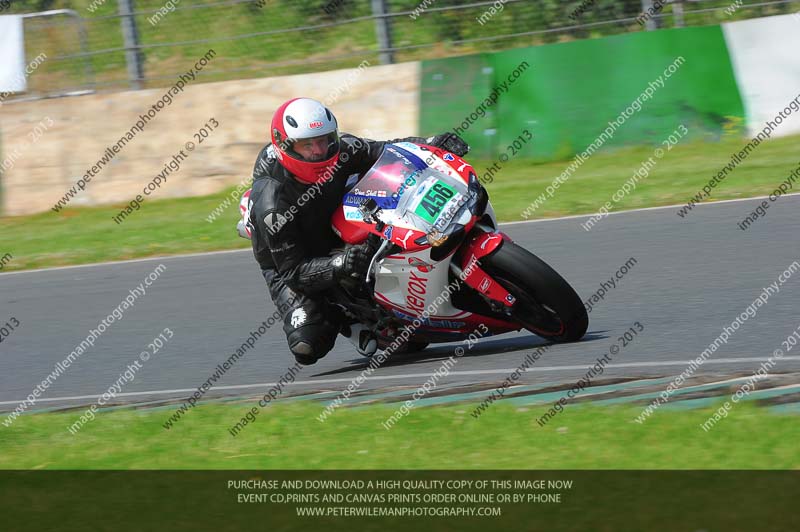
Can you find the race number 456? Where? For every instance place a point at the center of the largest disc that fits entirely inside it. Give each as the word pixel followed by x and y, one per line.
pixel 436 198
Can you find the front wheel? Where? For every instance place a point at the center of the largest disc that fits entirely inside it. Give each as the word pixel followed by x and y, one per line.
pixel 546 304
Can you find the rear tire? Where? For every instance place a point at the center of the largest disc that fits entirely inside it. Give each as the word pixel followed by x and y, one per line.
pixel 546 304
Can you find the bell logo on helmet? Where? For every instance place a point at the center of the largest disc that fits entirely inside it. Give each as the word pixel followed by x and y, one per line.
pixel 315 125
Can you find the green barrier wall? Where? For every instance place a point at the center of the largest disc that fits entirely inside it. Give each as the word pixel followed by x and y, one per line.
pixel 453 87
pixel 570 92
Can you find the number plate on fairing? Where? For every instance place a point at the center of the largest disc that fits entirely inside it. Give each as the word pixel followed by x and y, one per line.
pixel 431 204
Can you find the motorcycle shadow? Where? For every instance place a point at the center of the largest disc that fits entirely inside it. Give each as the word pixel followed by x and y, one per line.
pixel 440 352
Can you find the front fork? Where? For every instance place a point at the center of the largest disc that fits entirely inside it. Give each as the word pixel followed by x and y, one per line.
pixel 483 241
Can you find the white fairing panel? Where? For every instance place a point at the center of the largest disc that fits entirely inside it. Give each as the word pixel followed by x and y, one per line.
pixel 413 286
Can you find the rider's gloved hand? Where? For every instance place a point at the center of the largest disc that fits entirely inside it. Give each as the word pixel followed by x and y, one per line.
pixel 450 142
pixel 353 262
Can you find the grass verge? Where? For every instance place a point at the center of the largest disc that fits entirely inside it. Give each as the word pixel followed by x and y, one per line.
pixel 86 235
pixel 289 436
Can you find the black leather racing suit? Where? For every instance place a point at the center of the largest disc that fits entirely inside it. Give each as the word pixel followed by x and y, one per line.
pixel 292 241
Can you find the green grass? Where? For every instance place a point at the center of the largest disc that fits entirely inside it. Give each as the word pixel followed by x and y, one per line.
pixel 86 235
pixel 244 56
pixel 234 31
pixel 289 436
pixel 678 176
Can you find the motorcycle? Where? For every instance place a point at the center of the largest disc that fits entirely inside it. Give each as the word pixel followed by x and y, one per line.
pixel 442 268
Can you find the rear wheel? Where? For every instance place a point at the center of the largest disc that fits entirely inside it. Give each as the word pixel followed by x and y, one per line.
pixel 546 304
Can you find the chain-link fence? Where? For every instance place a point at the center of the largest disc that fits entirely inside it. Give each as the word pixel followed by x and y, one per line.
pixel 119 44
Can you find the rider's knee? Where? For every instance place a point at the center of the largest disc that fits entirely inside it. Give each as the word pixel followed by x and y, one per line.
pixel 312 342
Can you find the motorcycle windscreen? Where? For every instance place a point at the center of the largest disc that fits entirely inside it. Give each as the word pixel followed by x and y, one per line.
pixel 409 190
pixel 384 182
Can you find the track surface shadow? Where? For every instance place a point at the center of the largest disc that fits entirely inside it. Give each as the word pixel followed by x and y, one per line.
pixel 482 348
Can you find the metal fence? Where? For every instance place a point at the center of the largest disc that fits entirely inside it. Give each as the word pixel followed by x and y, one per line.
pixel 121 44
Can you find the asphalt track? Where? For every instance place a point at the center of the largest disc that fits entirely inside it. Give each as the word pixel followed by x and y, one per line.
pixel 693 276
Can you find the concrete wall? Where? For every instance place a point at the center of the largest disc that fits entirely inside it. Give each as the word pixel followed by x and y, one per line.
pixel 380 102
pixel 764 56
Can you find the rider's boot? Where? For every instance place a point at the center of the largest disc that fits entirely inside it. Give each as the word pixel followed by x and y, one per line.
pixel 363 338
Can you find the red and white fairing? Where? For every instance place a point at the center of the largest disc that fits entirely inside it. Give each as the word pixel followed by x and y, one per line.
pixel 411 282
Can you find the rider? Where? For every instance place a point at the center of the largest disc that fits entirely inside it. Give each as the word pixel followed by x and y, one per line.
pixel 299 181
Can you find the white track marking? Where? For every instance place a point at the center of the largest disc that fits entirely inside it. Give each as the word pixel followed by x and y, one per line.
pixel 207 253
pixel 573 216
pixel 417 376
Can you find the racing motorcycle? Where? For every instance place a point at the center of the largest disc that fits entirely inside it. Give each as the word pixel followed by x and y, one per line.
pixel 442 268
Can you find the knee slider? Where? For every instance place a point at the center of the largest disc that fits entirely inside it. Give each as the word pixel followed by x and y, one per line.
pixel 311 342
pixel 303 353
pixel 302 348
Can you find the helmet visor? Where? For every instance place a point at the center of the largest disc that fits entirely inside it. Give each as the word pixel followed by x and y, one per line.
pixel 313 149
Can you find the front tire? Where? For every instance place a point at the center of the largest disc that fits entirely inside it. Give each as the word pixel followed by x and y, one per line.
pixel 546 304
